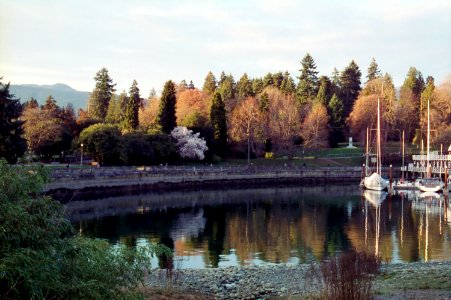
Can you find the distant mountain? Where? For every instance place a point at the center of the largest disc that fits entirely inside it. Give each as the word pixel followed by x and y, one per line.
pixel 62 93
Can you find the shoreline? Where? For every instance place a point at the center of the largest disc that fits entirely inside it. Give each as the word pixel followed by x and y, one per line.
pixel 396 281
pixel 93 183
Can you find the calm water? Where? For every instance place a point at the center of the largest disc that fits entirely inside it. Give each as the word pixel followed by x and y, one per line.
pixel 274 225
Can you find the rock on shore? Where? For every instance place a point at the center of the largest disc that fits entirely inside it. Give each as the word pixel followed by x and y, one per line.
pixel 263 282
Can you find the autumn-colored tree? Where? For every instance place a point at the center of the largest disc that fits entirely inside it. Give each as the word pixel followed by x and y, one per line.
pixel 440 117
pixel 384 89
pixel 314 129
pixel 364 115
pixel 148 115
pixel 40 127
pixel 192 108
pixel 284 120
pixel 244 122
pixel 406 112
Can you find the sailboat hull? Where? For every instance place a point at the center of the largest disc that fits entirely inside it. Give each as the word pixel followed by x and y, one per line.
pixel 375 182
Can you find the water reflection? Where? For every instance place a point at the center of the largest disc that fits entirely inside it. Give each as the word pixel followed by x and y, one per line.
pixel 276 225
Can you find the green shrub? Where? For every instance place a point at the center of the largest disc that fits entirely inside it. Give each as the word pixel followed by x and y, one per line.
pixel 41 258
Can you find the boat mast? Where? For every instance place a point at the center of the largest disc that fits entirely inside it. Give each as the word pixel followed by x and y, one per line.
pixel 402 154
pixel 427 150
pixel 367 152
pixel 378 166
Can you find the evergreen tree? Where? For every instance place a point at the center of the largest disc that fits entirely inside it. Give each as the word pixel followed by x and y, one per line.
pixel 335 78
pixel 264 102
pixel 277 79
pixel 427 94
pixel 244 87
pixel 218 122
pixel 414 81
pixel 336 124
pixel 373 70
pixel 268 80
pixel 166 115
pixel 50 104
pixel 350 86
pixel 308 81
pixel 287 86
pixel 101 95
pixel 209 84
pixel 325 90
pixel 12 145
pixel 112 115
pixel 32 103
pixel 222 77
pixel 131 121
pixel 227 89
pixel 257 86
pixel 191 85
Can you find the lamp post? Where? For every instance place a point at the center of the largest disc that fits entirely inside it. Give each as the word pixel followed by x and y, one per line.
pixel 81 156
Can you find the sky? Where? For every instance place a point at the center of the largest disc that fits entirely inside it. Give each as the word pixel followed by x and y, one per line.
pixel 47 42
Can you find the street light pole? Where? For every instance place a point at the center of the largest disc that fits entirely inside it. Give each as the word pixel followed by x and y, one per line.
pixel 81 157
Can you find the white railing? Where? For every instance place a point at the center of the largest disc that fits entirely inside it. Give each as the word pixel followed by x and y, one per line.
pixel 439 157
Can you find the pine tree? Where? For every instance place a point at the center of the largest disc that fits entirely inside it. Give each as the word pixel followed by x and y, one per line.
pixel 101 95
pixel 209 86
pixel 31 103
pixel 268 80
pixel 112 115
pixel 218 122
pixel 51 107
pixel 257 86
pixel 414 81
pixel 244 87
pixel 227 89
pixel 222 77
pixel 287 86
pixel 308 81
pixel 325 90
pixel 350 86
pixel 264 102
pixel 427 94
pixel 166 115
pixel 336 124
pixel 12 145
pixel 373 70
pixel 131 121
pixel 277 79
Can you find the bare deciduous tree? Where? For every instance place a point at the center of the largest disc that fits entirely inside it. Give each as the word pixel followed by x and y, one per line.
pixel 314 129
pixel 245 121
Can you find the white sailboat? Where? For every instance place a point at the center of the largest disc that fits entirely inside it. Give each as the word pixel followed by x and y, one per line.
pixel 429 184
pixel 375 180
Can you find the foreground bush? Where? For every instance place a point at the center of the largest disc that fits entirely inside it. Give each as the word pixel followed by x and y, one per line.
pixel 40 258
pixel 349 276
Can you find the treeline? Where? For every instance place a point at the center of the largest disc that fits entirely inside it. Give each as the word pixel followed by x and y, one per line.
pixel 249 117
